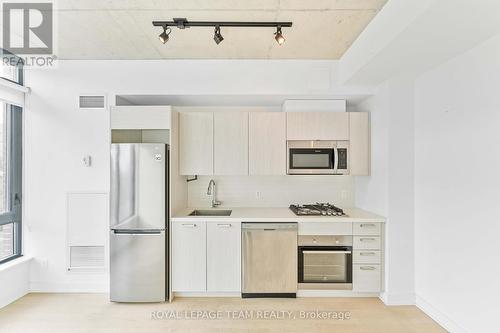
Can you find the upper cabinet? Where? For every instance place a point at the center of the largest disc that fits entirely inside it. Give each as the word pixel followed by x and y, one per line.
pixel 359 143
pixel 140 117
pixel 267 143
pixel 254 143
pixel 196 143
pixel 231 143
pixel 317 126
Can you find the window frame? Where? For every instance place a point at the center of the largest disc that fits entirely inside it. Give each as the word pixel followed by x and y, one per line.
pixel 13 211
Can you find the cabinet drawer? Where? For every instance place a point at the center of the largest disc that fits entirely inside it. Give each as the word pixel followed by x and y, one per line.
pixel 325 228
pixel 366 243
pixel 366 257
pixel 366 278
pixel 366 228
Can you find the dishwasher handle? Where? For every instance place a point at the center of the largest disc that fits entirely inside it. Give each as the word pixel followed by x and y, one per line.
pixel 265 226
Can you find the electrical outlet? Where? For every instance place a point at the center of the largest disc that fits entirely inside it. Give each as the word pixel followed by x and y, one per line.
pixel 258 195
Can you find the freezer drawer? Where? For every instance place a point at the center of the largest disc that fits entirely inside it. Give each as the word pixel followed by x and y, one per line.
pixel 137 267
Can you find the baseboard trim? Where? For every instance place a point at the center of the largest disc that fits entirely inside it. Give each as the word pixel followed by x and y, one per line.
pixel 206 294
pixel 68 287
pixel 439 317
pixel 394 299
pixel 333 293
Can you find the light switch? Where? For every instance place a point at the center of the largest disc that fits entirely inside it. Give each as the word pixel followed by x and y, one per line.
pixel 87 161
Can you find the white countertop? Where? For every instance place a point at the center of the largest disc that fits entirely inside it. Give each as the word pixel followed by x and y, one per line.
pixel 276 214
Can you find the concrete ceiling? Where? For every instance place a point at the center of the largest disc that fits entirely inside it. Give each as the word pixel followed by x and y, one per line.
pixel 105 29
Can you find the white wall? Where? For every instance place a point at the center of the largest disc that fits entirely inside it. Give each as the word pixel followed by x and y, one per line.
pixel 58 135
pixel 457 190
pixel 275 191
pixel 388 191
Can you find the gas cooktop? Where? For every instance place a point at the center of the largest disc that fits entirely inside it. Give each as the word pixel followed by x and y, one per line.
pixel 317 209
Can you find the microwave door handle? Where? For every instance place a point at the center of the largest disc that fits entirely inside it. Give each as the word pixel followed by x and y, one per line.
pixel 335 160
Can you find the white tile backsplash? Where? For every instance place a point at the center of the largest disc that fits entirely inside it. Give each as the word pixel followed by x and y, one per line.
pixel 273 191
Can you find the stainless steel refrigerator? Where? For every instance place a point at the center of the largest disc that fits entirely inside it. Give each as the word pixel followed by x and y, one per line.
pixel 138 226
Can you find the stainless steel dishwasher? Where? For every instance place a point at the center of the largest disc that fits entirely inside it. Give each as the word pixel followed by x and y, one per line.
pixel 269 260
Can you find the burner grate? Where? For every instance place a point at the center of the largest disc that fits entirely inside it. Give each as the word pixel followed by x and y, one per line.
pixel 317 209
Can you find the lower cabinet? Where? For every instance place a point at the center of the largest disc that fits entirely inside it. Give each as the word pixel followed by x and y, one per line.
pixel 223 257
pixel 206 256
pixel 189 265
pixel 367 257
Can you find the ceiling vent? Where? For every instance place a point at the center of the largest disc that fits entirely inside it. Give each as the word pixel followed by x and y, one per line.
pixel 92 102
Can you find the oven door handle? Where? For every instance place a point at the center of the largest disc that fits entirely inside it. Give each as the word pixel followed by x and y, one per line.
pixel 328 252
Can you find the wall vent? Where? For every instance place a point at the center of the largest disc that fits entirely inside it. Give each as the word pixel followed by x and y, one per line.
pixel 86 257
pixel 86 230
pixel 94 102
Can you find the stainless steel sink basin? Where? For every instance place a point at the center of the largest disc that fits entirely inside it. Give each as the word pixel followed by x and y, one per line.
pixel 210 212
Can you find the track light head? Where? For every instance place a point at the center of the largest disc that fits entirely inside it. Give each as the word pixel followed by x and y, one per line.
pixel 164 36
pixel 217 35
pixel 279 36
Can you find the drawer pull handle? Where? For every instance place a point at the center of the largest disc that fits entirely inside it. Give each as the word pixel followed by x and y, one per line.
pixel 367 268
pixel 367 239
pixel 367 253
pixel 367 225
pixel 189 225
pixel 224 225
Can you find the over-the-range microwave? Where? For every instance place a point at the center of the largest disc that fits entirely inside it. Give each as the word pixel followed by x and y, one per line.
pixel 318 157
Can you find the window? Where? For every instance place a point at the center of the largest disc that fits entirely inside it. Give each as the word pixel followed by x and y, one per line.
pixel 10 181
pixel 11 67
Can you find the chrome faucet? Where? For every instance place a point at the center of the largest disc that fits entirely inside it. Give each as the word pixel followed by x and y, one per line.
pixel 212 190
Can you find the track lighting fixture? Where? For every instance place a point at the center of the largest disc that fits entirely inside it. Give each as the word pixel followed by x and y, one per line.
pixel 279 36
pixel 183 23
pixel 217 35
pixel 164 35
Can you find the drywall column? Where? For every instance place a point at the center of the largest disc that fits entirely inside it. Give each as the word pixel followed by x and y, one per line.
pixel 400 254
pixel 389 190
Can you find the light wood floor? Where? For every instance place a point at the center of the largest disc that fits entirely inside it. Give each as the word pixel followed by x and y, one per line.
pixel 74 313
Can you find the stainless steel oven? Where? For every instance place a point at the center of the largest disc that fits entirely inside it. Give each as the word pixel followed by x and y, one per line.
pixel 325 262
pixel 318 157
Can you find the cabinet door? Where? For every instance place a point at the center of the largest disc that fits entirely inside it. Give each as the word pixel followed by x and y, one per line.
pixel 189 256
pixel 231 143
pixel 359 143
pixel 267 143
pixel 196 143
pixel 223 256
pixel 317 125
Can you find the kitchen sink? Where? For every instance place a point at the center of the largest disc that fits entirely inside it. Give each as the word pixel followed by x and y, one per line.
pixel 210 212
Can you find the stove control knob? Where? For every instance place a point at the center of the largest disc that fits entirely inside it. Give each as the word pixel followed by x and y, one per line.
pixel 337 241
pixel 315 241
pixel 323 212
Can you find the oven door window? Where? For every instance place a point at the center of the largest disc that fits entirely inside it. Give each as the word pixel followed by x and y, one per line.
pixel 332 265
pixel 306 158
